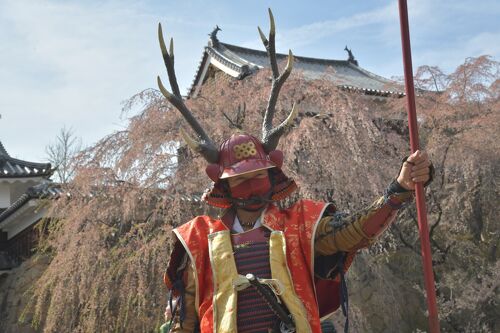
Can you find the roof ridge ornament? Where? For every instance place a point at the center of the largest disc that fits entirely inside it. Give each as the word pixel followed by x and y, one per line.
pixel 214 41
pixel 351 58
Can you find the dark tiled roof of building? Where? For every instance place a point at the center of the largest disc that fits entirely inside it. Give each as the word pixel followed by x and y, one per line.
pixel 14 168
pixel 45 190
pixel 240 62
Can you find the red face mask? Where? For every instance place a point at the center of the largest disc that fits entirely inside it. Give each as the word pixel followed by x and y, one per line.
pixel 251 187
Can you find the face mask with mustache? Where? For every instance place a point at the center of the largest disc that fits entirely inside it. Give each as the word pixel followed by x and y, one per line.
pixel 252 194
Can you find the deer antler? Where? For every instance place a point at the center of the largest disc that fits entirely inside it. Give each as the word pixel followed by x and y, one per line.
pixel 204 145
pixel 270 135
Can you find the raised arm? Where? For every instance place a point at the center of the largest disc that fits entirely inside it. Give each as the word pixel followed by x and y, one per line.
pixel 343 233
pixel 348 233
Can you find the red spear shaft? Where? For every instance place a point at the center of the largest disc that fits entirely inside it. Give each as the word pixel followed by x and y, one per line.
pixel 419 189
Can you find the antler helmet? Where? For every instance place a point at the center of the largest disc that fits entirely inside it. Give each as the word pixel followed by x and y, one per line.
pixel 241 153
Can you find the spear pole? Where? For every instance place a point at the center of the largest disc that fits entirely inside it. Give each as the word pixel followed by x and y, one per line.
pixel 419 189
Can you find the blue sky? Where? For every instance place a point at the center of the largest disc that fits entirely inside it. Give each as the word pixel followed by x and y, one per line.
pixel 72 63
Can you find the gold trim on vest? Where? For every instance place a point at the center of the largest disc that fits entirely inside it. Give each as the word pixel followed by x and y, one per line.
pixel 224 272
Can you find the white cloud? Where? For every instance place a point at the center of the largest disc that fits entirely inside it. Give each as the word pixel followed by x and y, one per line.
pixel 73 64
pixel 314 32
pixel 449 57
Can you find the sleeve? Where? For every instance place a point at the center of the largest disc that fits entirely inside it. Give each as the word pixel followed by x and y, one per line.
pixel 191 319
pixel 343 233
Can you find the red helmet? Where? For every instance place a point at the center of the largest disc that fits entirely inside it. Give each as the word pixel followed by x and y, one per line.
pixel 241 154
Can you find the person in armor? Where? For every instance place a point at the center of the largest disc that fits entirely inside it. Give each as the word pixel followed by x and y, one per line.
pixel 259 268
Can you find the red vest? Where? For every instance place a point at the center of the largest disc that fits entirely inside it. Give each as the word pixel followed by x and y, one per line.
pixel 297 225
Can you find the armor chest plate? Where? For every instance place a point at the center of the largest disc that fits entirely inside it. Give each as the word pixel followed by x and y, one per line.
pixel 251 253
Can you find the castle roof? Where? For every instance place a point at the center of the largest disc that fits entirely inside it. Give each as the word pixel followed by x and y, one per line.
pixel 239 62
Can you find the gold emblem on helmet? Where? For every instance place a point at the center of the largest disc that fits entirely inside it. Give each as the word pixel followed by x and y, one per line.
pixel 245 150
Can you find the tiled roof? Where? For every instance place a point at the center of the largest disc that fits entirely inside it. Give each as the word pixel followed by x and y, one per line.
pixel 14 168
pixel 40 191
pixel 345 74
pixel 49 190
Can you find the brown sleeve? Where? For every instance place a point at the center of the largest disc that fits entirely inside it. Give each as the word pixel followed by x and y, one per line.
pixel 191 318
pixel 350 233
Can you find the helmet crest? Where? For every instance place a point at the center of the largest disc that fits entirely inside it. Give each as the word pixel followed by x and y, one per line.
pixel 241 153
pixel 270 134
